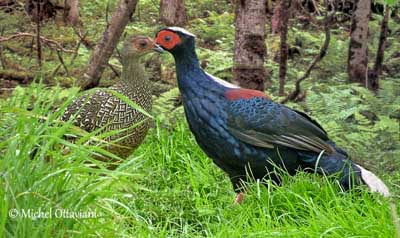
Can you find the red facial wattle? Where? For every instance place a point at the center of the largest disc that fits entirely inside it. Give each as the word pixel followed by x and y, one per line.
pixel 167 39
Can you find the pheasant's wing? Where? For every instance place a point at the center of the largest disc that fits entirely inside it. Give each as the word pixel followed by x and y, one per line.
pixel 91 111
pixel 263 123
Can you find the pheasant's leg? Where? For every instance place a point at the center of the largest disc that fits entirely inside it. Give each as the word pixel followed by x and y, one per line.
pixel 239 198
pixel 237 182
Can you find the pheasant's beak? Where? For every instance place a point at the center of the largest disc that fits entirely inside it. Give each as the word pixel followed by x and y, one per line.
pixel 158 49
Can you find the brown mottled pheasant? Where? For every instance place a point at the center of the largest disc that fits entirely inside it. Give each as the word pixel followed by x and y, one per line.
pixel 104 110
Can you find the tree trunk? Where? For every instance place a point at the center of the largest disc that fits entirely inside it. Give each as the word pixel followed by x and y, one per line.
pixel 358 48
pixel 373 76
pixel 107 43
pixel 173 12
pixel 71 12
pixel 284 14
pixel 250 49
pixel 276 23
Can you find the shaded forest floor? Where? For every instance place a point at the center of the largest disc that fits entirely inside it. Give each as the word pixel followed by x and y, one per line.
pixel 168 187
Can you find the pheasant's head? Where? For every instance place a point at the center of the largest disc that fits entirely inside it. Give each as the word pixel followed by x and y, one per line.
pixel 138 45
pixel 175 40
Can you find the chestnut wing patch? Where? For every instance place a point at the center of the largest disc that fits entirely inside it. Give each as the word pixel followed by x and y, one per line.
pixel 242 93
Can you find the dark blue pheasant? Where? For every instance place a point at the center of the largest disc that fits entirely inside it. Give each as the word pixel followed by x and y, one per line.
pixel 242 130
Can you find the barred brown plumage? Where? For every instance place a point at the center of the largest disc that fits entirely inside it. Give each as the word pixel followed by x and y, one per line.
pixel 104 110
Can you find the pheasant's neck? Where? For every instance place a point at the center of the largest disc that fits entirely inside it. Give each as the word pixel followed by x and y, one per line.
pixel 192 80
pixel 202 96
pixel 133 73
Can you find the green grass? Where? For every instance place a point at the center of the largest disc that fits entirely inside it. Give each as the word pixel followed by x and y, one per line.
pixel 167 188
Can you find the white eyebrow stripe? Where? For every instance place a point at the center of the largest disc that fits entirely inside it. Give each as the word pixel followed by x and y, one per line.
pixel 175 28
pixel 222 82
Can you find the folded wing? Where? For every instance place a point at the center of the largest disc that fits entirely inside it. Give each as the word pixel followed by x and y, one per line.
pixel 260 122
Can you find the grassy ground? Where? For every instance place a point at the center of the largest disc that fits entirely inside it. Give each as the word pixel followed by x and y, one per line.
pixel 167 188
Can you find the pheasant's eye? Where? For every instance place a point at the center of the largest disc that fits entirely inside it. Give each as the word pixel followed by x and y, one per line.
pixel 143 44
pixel 167 38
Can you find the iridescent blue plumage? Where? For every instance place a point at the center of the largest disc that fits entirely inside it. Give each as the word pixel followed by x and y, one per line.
pixel 242 130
